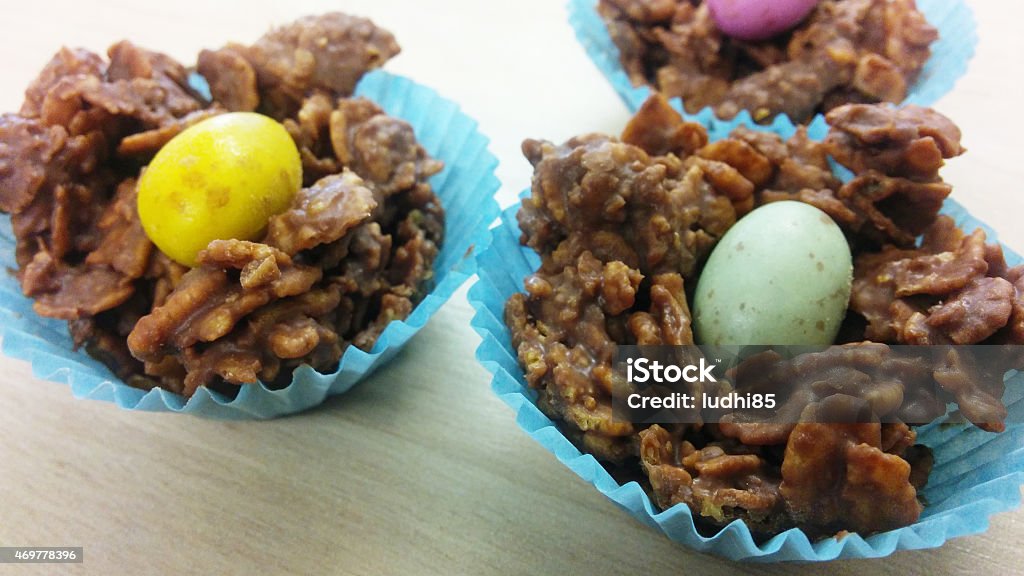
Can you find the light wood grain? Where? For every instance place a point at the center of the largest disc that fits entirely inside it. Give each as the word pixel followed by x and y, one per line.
pixel 419 470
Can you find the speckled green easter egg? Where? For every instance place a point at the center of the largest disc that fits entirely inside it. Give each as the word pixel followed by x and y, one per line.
pixel 780 275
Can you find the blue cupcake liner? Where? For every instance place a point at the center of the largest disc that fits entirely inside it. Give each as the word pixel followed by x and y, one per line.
pixel 951 53
pixel 976 473
pixel 466 188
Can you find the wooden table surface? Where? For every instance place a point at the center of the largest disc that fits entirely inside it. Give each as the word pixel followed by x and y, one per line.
pixel 420 469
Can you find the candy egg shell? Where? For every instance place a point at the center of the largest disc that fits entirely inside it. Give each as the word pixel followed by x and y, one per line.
pixel 780 275
pixel 758 19
pixel 222 178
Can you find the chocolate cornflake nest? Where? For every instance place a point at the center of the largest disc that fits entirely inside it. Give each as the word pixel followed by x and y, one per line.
pixel 845 51
pixel 623 227
pixel 354 251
